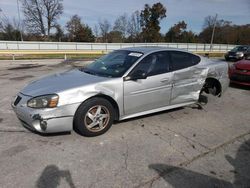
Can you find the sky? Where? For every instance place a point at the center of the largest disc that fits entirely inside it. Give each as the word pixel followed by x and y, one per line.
pixel 192 12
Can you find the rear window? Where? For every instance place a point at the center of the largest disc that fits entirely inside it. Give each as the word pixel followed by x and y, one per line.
pixel 182 60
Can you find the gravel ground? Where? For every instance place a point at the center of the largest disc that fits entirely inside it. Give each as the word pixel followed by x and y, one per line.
pixel 185 147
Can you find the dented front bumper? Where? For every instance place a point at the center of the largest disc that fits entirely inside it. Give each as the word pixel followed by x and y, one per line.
pixel 59 119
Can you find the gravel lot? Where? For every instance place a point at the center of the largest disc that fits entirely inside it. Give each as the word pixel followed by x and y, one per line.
pixel 186 147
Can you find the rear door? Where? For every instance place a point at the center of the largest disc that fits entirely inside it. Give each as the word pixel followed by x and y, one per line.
pixel 152 92
pixel 188 77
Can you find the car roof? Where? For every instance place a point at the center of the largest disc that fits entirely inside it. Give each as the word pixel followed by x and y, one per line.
pixel 244 46
pixel 149 49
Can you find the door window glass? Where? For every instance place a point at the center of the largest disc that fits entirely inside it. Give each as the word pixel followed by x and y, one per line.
pixel 154 64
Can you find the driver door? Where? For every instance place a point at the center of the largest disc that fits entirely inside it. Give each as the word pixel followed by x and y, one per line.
pixel 154 91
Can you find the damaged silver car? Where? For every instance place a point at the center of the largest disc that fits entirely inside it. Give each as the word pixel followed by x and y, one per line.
pixel 124 84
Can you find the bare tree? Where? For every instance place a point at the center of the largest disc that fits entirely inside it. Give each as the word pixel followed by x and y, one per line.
pixel 104 29
pixel 209 22
pixel 134 25
pixel 59 33
pixel 42 15
pixel 9 29
pixel 220 26
pixel 121 25
pixel 96 32
pixel 3 20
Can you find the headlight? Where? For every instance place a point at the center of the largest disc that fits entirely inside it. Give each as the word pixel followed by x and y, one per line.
pixel 232 66
pixel 239 54
pixel 46 101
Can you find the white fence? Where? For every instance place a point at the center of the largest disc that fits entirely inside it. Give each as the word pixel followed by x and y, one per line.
pixel 18 45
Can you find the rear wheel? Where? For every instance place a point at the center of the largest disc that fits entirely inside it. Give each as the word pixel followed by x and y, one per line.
pixel 211 86
pixel 94 117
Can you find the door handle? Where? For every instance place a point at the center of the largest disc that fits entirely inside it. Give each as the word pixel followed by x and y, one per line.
pixel 164 80
pixel 197 72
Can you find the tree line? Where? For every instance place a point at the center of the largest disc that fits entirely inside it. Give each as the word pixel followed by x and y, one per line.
pixel 41 17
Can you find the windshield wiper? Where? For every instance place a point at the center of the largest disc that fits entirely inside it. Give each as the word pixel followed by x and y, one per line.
pixel 88 72
pixel 96 74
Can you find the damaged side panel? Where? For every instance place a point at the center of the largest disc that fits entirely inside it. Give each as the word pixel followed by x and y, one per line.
pixel 187 84
pixel 112 89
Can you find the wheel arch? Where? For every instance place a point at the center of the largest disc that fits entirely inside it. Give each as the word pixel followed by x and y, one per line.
pixel 210 83
pixel 113 102
pixel 108 98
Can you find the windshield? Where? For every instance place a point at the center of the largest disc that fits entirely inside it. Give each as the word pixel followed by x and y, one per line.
pixel 115 64
pixel 239 49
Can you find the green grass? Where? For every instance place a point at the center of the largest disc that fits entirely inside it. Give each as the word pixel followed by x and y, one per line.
pixel 213 54
pixel 51 56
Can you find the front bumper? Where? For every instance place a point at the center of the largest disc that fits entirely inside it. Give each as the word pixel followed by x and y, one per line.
pixel 240 83
pixel 240 78
pixel 53 120
pixel 233 57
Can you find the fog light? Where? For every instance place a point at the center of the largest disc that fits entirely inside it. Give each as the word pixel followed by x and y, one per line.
pixel 43 125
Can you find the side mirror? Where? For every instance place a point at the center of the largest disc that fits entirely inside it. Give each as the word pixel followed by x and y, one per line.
pixel 139 74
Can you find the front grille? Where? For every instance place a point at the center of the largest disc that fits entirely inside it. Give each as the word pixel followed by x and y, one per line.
pixel 232 53
pixel 240 77
pixel 242 70
pixel 18 99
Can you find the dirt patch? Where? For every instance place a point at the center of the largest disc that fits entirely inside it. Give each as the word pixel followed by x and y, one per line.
pixel 4 74
pixel 13 151
pixel 27 66
pixel 21 77
pixel 1 120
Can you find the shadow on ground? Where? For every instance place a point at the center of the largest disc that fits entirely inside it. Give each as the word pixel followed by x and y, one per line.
pixel 179 177
pixel 52 176
pixel 26 66
pixel 237 86
pixel 150 115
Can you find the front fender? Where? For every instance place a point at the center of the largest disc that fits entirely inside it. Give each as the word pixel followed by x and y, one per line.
pixel 112 89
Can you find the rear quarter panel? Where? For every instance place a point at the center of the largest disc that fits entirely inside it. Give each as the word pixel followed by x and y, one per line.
pixel 217 69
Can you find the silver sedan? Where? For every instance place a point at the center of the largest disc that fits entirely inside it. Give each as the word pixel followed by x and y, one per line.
pixel 125 83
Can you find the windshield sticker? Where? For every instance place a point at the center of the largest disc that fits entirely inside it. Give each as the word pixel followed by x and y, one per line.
pixel 135 54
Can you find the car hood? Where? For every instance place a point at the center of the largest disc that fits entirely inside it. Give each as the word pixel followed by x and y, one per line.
pixel 60 82
pixel 243 64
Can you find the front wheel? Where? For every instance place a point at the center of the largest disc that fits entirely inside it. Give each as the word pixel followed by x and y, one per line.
pixel 94 117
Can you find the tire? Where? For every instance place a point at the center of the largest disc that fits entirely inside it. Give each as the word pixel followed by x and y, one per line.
pixel 94 117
